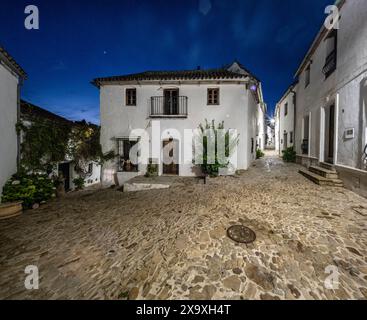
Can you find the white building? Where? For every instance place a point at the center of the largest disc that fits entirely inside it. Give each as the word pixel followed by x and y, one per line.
pixel 11 78
pixel 284 118
pixel 175 101
pixel 331 115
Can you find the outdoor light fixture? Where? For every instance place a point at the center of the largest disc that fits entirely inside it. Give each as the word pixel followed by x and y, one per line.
pixel 253 87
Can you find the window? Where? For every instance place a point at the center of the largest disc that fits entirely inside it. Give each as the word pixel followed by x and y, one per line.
pixel 125 163
pixel 213 96
pixel 252 145
pixel 131 97
pixel 308 76
pixel 291 137
pixel 331 53
pixel 90 168
pixel 286 109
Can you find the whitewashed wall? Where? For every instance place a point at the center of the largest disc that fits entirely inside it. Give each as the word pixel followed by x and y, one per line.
pixel 286 122
pixel 346 87
pixel 261 127
pixel 237 109
pixel 276 129
pixel 92 179
pixel 8 120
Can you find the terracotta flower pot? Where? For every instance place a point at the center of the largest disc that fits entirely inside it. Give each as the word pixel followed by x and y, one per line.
pixel 9 210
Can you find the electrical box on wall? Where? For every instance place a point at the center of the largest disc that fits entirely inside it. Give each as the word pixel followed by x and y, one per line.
pixel 349 133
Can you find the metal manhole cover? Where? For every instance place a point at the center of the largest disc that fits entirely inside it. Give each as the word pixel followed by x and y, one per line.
pixel 241 234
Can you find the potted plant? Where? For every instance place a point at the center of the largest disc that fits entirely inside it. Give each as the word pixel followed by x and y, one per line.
pixel 128 166
pixel 11 209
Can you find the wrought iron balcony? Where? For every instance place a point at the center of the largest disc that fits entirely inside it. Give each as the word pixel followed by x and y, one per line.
pixel 168 107
pixel 330 64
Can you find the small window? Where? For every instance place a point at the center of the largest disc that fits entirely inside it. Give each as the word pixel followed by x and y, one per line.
pixel 286 109
pixel 252 145
pixel 213 96
pixel 131 97
pixel 90 168
pixel 291 137
pixel 308 76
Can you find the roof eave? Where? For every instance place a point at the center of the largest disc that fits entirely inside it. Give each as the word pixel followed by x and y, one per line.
pixel 9 61
pixel 100 82
pixel 315 43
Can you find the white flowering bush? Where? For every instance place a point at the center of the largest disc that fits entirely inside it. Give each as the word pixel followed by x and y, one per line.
pixel 30 189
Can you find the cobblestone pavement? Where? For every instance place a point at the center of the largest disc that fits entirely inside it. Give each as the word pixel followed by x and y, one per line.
pixel 172 243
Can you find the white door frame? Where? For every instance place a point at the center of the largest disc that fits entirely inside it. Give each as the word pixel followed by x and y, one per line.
pixel 309 134
pixel 336 127
pixel 334 101
pixel 322 135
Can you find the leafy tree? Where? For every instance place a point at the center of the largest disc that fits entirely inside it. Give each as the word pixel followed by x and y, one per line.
pixel 84 147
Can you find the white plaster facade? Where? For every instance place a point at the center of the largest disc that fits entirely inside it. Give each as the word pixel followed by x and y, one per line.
pixel 261 127
pixel 93 177
pixel 238 107
pixel 344 91
pixel 11 76
pixel 284 118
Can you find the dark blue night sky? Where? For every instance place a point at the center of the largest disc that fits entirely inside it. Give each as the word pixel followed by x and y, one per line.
pixel 80 40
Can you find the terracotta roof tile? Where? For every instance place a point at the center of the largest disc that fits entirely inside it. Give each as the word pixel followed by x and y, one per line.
pixel 212 74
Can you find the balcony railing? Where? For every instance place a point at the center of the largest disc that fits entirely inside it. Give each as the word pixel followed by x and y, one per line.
pixel 170 107
pixel 330 64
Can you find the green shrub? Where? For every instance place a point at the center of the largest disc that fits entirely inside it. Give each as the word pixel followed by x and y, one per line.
pixel 30 189
pixel 259 154
pixel 289 155
pixel 79 183
pixel 152 170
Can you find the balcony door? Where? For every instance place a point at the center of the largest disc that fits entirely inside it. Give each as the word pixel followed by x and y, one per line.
pixel 171 101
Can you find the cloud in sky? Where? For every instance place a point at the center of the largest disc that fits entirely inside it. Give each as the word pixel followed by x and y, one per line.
pixel 205 6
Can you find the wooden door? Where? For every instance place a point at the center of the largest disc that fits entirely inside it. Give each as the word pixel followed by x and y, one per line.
pixel 170 157
pixel 64 168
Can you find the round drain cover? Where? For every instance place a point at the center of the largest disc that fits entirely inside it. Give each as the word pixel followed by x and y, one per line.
pixel 241 234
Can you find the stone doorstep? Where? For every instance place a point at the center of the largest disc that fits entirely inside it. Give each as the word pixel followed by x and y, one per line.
pixel 327 166
pixel 132 187
pixel 328 174
pixel 321 180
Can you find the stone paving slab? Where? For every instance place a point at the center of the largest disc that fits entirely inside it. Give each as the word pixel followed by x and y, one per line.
pixel 172 243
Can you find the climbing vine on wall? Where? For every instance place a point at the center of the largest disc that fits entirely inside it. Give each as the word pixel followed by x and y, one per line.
pixel 44 143
pixel 84 147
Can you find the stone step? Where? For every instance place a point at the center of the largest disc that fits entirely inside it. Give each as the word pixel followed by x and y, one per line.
pixel 328 174
pixel 320 180
pixel 133 187
pixel 327 166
